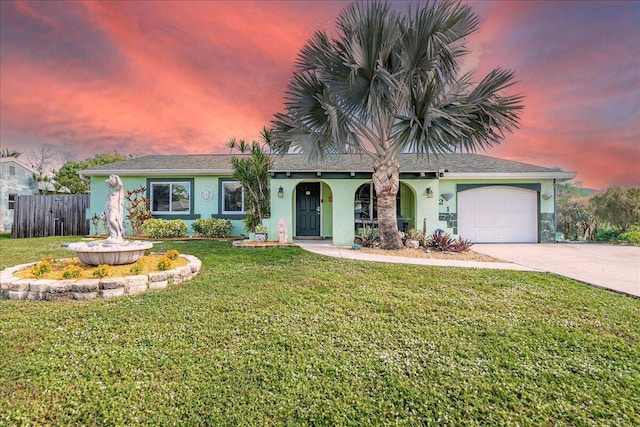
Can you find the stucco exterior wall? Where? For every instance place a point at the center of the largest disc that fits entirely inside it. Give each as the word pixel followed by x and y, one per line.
pixel 417 205
pixel 337 207
pixel 206 199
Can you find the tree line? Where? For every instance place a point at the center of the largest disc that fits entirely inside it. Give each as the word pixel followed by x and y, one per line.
pixel 609 215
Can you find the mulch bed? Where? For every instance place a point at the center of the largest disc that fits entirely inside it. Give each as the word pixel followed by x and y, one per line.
pixel 420 253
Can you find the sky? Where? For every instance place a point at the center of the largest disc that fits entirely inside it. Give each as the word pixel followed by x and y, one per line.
pixel 165 77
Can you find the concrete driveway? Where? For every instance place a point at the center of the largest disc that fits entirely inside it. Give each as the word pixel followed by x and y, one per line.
pixel 607 266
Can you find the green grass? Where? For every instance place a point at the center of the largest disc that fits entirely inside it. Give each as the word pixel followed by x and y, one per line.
pixel 284 337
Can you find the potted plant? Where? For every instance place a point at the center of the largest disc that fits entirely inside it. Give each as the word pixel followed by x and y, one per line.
pixel 261 233
pixel 413 238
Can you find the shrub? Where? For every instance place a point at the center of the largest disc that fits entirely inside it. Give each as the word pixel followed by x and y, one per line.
pixel 460 245
pixel 41 268
pixel 607 234
pixel 441 241
pixel 212 227
pixel 172 254
pixel 50 259
pixel 164 263
pixel 161 228
pixel 631 236
pixel 137 208
pixel 71 272
pixel 369 238
pixel 136 268
pixel 101 271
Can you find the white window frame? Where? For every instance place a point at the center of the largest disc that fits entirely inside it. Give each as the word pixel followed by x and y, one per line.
pixel 187 184
pixel 223 195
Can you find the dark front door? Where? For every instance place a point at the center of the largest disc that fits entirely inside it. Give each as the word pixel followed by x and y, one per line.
pixel 308 209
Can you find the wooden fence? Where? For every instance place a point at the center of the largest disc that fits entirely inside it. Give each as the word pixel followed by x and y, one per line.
pixel 54 215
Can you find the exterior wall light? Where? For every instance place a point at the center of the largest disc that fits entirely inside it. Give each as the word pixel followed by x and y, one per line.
pixel 429 192
pixel 547 196
pixel 447 196
pixel 280 193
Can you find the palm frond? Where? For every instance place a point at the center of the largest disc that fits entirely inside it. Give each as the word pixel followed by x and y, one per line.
pixel 389 83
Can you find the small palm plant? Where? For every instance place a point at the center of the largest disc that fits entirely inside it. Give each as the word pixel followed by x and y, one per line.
pixel 251 169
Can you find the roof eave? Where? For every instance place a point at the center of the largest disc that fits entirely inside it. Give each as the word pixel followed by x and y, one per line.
pixel 143 172
pixel 346 170
pixel 557 175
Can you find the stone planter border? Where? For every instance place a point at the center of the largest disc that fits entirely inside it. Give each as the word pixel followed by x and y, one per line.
pixel 15 288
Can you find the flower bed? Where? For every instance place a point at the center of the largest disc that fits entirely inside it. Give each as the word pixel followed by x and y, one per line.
pixel 16 288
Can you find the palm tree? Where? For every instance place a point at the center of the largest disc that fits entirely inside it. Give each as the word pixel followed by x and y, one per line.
pixel 9 153
pixel 390 83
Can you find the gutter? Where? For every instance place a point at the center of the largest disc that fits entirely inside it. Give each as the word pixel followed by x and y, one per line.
pixel 559 175
pixel 146 172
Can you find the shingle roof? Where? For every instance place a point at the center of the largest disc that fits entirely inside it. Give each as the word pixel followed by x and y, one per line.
pixel 457 162
pixel 220 163
pixel 188 162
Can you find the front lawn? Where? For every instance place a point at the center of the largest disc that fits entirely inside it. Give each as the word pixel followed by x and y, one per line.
pixel 284 337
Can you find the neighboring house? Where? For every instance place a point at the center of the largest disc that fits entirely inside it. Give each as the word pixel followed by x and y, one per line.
pixel 16 179
pixel 480 198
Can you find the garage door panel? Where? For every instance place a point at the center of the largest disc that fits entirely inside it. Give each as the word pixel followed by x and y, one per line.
pixel 498 214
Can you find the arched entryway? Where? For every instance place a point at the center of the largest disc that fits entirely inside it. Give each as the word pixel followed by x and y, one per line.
pixel 366 207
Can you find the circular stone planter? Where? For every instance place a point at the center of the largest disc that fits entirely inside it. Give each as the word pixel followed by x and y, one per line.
pixel 104 252
pixel 15 288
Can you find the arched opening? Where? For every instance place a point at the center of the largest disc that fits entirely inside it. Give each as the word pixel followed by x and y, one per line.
pixel 366 207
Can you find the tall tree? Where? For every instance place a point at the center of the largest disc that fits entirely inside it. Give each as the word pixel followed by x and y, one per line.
pixel 390 83
pixel 618 206
pixel 45 160
pixel 68 177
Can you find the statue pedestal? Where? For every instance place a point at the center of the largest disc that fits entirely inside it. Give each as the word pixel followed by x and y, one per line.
pixel 114 242
pixel 97 253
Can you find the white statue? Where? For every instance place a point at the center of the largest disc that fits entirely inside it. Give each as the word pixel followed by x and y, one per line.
pixel 282 231
pixel 114 209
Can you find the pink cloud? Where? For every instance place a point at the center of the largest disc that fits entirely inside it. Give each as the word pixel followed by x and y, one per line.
pixel 185 77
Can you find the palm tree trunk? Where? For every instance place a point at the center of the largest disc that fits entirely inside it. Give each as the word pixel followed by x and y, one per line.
pixel 386 181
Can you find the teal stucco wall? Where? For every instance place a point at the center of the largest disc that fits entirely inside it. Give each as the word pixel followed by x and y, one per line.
pixel 338 195
pixel 205 194
pixel 417 205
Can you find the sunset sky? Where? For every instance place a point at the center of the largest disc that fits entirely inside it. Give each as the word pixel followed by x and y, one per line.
pixel 162 77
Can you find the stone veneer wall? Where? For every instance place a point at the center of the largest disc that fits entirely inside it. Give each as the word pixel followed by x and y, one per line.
pixel 451 219
pixel 15 288
pixel 547 228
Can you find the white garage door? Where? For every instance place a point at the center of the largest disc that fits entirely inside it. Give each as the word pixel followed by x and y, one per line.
pixel 498 214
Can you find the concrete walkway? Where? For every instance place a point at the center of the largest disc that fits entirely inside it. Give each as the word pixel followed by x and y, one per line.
pixel 325 247
pixel 611 267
